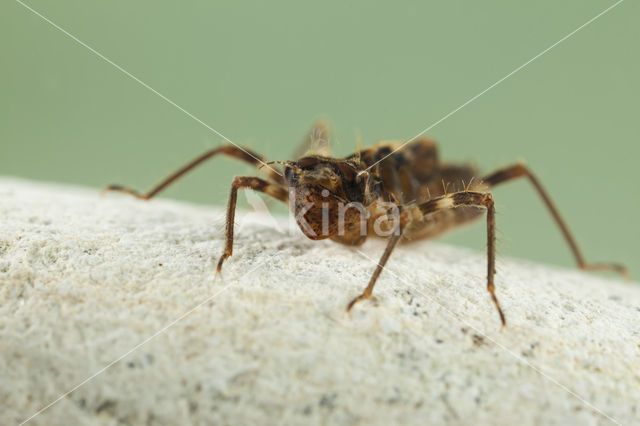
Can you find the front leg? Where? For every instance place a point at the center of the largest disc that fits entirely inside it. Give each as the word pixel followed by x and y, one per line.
pixel 391 244
pixel 474 199
pixel 246 182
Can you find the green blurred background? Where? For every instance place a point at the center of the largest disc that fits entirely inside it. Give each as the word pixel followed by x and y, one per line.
pixel 262 72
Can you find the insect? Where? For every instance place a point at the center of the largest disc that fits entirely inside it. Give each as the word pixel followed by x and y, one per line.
pixel 401 195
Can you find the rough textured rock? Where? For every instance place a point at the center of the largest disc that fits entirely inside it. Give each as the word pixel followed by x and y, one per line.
pixel 85 279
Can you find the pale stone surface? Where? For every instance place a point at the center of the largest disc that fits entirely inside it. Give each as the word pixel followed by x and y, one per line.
pixel 85 279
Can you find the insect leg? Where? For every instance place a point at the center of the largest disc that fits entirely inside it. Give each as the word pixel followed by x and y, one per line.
pixel 391 244
pixel 246 182
pixel 520 170
pixel 476 199
pixel 229 150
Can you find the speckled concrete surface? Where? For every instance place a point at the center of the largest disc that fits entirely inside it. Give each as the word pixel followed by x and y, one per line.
pixel 84 279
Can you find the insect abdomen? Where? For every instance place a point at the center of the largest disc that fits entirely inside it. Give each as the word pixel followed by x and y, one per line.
pixel 414 173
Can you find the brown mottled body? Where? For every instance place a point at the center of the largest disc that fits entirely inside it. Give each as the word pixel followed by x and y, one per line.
pixel 415 175
pixel 401 194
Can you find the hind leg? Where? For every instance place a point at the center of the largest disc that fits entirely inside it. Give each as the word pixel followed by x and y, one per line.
pixel 520 170
pixel 228 150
